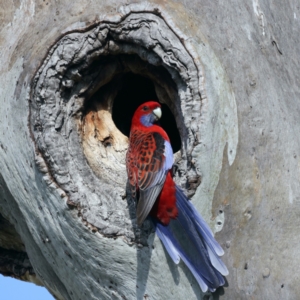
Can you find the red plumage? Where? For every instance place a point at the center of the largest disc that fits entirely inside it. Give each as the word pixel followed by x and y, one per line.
pixel 179 226
pixel 146 167
pixel 165 208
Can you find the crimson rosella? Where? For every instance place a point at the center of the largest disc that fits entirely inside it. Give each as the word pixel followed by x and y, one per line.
pixel 179 226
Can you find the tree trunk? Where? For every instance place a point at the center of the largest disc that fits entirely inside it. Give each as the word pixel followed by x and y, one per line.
pixel 72 75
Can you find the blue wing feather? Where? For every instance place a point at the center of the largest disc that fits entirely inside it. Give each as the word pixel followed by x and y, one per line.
pixel 168 154
pixel 151 172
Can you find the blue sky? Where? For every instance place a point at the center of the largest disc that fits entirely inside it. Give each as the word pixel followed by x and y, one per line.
pixel 13 289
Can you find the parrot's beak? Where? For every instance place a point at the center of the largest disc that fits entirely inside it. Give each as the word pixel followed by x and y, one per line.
pixel 157 113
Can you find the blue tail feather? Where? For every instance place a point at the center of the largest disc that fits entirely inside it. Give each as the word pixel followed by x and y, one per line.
pixel 202 227
pixel 188 237
pixel 215 250
pixel 168 243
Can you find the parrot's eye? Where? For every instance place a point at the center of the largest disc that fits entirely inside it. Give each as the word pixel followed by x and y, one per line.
pixel 145 108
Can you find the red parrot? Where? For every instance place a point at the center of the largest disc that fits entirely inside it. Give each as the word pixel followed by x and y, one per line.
pixel 179 226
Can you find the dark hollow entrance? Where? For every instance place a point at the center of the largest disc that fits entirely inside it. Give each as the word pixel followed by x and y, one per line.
pixel 136 90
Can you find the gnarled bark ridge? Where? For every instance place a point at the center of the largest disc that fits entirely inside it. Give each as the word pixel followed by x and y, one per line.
pixel 228 79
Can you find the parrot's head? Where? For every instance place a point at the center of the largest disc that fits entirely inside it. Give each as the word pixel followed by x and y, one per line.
pixel 147 114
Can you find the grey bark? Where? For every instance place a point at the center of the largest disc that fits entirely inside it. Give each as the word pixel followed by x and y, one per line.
pixel 229 74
